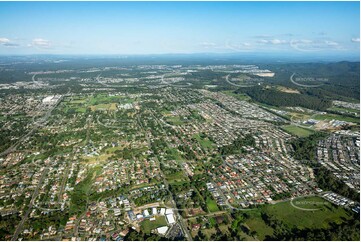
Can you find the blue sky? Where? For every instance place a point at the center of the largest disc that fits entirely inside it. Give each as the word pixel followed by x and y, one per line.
pixel 179 27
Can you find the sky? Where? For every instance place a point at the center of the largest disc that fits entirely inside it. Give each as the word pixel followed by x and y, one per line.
pixel 125 28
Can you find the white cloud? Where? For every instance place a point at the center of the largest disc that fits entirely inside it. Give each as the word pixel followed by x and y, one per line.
pixel 315 45
pixel 208 44
pixel 8 43
pixel 277 41
pixel 273 41
pixel 303 45
pixel 355 39
pixel 40 43
pixel 331 43
pixel 238 47
pixel 4 40
pixel 303 41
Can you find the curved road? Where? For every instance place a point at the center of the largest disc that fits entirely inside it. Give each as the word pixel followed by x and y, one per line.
pixel 236 85
pixel 302 85
pixel 304 209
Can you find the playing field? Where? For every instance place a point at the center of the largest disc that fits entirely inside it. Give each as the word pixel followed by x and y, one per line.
pixel 147 225
pixel 295 130
pixel 212 205
pixel 298 216
pixel 295 217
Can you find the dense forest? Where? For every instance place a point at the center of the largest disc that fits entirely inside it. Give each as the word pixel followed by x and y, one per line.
pixel 273 97
pixel 305 148
pixel 343 78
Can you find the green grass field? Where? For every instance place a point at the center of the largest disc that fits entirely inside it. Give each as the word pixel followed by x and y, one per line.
pixel 336 117
pixel 212 205
pixel 177 177
pixel 256 223
pixel 294 217
pixel 321 218
pixel 78 101
pixel 295 130
pixel 205 143
pixel 173 154
pixel 147 226
pixel 340 109
pixel 80 194
pixel 175 120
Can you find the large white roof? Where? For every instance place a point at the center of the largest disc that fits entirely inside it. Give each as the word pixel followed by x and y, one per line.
pixel 47 99
pixel 162 230
pixel 170 218
pixel 145 212
pixel 154 211
pixel 169 211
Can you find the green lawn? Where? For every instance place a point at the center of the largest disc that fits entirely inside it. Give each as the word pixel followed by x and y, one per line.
pixel 147 226
pixel 240 96
pixel 78 101
pixel 294 217
pixel 80 110
pixel 101 98
pixel 173 154
pixel 336 117
pixel 205 143
pixel 175 120
pixel 340 109
pixel 298 131
pixel 326 214
pixel 176 177
pixel 80 194
pixel 212 205
pixel 256 223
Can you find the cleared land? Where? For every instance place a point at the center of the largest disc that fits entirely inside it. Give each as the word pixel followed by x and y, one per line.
pixel 298 131
pixel 204 142
pixel 308 219
pixel 239 96
pixel 336 117
pixel 294 217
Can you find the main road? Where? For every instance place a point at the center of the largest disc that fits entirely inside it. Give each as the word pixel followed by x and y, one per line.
pixel 186 233
pixel 37 124
pixel 30 206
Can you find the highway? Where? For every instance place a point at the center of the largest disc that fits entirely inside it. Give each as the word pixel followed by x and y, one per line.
pixel 30 206
pixel 37 124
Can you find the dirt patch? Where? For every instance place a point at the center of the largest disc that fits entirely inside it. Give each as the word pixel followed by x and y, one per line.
pixel 288 90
